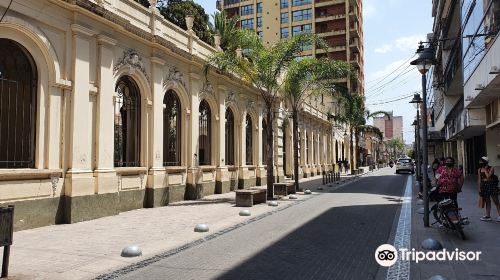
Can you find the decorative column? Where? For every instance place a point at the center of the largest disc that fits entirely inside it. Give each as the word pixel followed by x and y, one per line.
pixel 222 183
pixel 79 181
pixel 156 189
pixel 105 174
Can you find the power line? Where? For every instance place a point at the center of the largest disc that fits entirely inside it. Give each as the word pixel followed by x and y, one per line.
pixel 391 101
pixel 397 68
pixel 8 7
pixel 379 88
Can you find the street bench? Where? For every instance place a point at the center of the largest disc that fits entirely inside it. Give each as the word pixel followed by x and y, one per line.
pixel 285 188
pixel 247 198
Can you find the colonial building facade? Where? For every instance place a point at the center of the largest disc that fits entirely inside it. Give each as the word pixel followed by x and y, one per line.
pixel 104 108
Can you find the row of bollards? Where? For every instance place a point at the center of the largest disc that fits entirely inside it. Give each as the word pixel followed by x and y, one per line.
pixel 330 177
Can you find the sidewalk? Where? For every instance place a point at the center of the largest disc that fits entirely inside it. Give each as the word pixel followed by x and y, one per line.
pixel 87 249
pixel 481 236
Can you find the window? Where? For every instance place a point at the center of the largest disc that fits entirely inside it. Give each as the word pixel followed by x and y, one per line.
pixel 301 2
pixel 247 23
pixel 127 123
pixel 231 2
pixel 229 137
pixel 18 82
pixel 171 129
pixel 284 17
pixel 302 15
pixel 246 10
pixel 284 32
pixel 249 145
pixel 259 8
pixel 296 30
pixel 284 4
pixel 204 139
pixel 259 22
pixel 260 34
pixel 264 141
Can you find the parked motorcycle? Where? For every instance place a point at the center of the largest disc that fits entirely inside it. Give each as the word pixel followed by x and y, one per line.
pixel 446 213
pixel 391 164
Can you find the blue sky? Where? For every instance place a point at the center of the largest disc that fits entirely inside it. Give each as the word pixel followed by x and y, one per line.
pixel 392 30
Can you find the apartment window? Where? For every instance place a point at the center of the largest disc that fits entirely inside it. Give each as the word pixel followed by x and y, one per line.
pixel 296 30
pixel 259 8
pixel 231 2
pixel 247 23
pixel 259 22
pixel 284 32
pixel 246 10
pixel 302 15
pixel 301 2
pixel 284 4
pixel 284 17
pixel 260 34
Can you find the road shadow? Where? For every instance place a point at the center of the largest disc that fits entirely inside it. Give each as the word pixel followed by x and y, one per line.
pixel 339 244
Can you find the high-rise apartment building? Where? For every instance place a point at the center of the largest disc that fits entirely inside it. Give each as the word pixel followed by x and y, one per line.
pixel 392 127
pixel 338 22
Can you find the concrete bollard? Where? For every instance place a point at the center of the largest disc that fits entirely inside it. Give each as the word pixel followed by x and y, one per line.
pixel 245 212
pixel 131 251
pixel 273 203
pixel 201 228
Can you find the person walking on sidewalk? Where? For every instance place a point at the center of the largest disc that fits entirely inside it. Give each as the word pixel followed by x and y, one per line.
pixel 487 184
pixel 450 181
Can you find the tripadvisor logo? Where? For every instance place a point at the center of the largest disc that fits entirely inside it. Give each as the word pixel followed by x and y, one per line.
pixel 386 255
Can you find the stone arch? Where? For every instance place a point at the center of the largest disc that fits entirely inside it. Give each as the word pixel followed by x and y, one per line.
pixel 145 106
pixel 47 64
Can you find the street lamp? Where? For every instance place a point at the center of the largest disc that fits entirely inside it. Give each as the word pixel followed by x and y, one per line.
pixel 424 62
pixel 416 101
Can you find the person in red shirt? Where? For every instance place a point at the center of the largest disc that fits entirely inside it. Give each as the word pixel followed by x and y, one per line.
pixel 451 180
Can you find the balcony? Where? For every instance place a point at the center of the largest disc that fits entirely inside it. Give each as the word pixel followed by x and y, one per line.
pixel 465 124
pixel 327 17
pixel 331 49
pixel 324 33
pixel 354 44
pixel 319 3
pixel 355 61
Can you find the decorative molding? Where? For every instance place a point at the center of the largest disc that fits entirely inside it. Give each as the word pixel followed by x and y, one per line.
pixel 54 180
pixel 231 98
pixel 131 58
pixel 174 76
pixel 208 88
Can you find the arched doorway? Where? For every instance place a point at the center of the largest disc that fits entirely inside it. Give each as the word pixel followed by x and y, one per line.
pixel 127 123
pixel 18 82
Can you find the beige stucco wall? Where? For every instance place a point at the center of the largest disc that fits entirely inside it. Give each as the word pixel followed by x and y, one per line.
pixel 80 56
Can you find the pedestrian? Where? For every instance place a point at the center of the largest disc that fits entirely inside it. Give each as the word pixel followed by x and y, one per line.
pixel 450 181
pixel 487 184
pixel 435 171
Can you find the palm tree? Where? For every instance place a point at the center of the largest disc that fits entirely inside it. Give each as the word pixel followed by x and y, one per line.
pixel 304 78
pixel 227 28
pixel 262 67
pixel 355 116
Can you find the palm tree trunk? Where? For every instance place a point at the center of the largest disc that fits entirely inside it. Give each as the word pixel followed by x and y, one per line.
pixel 269 147
pixel 356 133
pixel 296 149
pixel 351 151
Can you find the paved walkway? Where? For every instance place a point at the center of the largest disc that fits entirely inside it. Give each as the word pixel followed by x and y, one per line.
pixel 87 249
pixel 481 236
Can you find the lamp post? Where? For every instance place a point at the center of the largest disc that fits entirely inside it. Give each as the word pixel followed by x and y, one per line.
pixel 416 101
pixel 424 62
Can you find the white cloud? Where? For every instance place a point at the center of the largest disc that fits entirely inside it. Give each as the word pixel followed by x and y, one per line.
pixel 389 68
pixel 409 42
pixel 406 43
pixel 384 48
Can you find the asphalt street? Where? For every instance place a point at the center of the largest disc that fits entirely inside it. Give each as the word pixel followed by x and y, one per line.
pixel 333 235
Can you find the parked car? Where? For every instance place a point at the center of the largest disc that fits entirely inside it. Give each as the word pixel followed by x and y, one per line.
pixel 405 164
